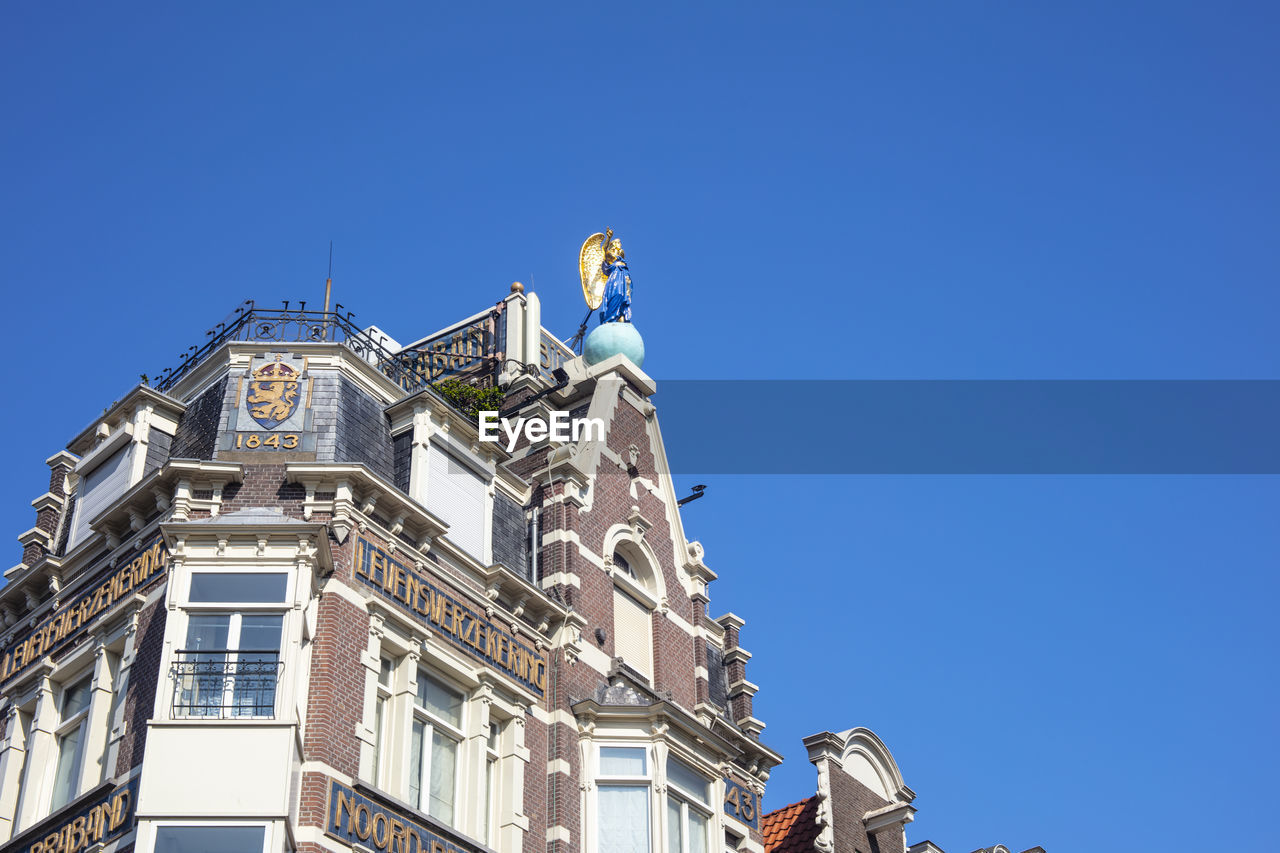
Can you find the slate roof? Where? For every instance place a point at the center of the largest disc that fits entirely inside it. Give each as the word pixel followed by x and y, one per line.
pixel 791 829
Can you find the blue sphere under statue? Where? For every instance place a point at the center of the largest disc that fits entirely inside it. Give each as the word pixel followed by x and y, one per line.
pixel 610 339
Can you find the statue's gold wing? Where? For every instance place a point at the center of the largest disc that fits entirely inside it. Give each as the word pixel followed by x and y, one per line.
pixel 590 261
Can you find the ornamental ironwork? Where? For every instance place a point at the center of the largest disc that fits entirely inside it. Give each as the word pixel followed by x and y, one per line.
pixel 474 351
pixel 225 684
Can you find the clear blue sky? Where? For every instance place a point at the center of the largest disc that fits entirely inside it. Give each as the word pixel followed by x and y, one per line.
pixel 896 190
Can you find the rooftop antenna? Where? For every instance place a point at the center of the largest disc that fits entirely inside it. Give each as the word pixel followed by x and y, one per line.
pixel 328 282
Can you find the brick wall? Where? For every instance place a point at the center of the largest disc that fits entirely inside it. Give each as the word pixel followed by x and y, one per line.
pixel 673 646
pixel 264 486
pixel 336 698
pixel 850 800
pixel 144 679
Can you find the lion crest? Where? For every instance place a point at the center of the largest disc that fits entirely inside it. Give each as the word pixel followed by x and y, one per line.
pixel 273 393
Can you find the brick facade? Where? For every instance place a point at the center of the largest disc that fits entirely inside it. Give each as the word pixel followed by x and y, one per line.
pixel 205 500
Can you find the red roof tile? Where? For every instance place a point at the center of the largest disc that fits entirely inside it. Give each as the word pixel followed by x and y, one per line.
pixel 791 829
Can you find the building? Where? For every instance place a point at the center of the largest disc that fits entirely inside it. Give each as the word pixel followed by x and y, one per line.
pixel 284 598
pixel 861 805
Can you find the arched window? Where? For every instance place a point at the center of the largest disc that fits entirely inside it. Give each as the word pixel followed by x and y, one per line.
pixel 633 605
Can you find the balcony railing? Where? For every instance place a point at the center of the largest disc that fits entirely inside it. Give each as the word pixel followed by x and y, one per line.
pixel 285 325
pixel 225 684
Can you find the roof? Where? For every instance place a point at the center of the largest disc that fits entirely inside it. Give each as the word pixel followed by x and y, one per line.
pixel 791 829
pixel 254 515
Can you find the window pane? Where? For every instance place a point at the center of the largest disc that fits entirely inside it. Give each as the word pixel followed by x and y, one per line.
pixel 440 699
pixel 208 631
pixel 200 694
pixel 238 586
pixel 384 672
pixel 444 769
pixel 697 832
pixel 75 699
pixel 261 631
pixel 64 782
pixel 624 818
pixel 622 761
pixel 673 826
pixel 415 765
pixel 688 779
pixel 256 671
pixel 378 712
pixel 210 839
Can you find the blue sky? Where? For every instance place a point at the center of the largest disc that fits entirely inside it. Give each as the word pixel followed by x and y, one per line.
pixel 857 191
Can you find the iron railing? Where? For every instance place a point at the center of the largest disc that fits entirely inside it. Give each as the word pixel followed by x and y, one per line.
pixel 288 325
pixel 225 684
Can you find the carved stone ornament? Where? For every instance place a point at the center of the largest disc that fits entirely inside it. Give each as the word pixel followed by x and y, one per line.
pixel 825 841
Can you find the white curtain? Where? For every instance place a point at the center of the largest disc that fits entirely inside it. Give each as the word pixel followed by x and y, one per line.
pixel 624 818
pixel 697 832
pixel 444 770
pixel 674 829
pixel 415 766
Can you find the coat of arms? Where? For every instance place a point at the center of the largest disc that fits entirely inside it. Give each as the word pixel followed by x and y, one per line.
pixel 273 393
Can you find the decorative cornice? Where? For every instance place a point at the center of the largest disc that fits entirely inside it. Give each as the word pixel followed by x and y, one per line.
pixel 124 409
pixel 357 490
pixel 894 814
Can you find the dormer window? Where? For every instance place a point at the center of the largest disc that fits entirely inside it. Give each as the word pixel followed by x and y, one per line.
pixel 458 493
pixel 103 478
pixel 633 605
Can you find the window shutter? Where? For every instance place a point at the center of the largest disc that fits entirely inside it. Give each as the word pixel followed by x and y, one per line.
pixel 98 488
pixel 457 495
pixel 632 632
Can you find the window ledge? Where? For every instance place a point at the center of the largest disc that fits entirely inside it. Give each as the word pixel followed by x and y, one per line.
pixel 201 722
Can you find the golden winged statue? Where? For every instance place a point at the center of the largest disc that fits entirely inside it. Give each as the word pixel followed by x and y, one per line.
pixel 591 268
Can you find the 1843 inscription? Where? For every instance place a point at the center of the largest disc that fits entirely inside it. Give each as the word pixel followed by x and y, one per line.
pixel 461 625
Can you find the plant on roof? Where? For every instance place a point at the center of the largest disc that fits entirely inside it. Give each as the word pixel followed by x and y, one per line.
pixel 469 399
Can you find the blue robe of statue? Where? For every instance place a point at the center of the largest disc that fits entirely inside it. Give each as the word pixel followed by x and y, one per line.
pixel 617 293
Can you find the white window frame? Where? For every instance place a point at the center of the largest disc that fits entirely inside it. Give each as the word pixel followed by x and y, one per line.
pixel 383 718
pixel 267 826
pixel 27 792
pixel 236 610
pixel 430 722
pixel 493 816
pixel 643 782
pixel 118 449
pixel 687 801
pixel 18 738
pixel 78 722
pixel 492 781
